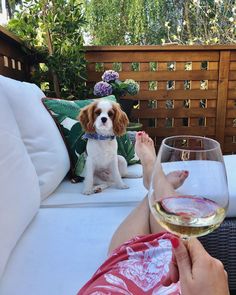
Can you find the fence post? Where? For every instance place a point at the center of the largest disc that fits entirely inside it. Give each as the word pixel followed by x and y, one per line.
pixel 223 80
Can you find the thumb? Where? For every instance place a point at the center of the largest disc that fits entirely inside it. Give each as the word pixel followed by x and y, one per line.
pixel 182 257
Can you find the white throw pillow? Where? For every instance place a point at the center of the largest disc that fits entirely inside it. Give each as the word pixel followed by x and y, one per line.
pixel 39 133
pixel 19 188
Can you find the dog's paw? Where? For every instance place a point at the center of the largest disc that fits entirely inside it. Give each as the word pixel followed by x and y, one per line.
pixel 122 186
pixel 133 175
pixel 97 189
pixel 87 192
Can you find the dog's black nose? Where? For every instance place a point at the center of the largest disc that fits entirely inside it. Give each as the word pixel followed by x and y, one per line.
pixel 103 119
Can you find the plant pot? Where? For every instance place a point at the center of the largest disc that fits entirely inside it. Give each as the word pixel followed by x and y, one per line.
pixel 134 126
pixel 126 105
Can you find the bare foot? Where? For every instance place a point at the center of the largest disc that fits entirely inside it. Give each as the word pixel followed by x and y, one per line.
pixel 145 150
pixel 177 178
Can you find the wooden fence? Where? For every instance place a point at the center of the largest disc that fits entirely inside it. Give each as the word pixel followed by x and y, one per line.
pixel 183 89
pixel 15 57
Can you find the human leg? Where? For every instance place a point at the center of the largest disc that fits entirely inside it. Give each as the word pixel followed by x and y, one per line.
pixel 140 221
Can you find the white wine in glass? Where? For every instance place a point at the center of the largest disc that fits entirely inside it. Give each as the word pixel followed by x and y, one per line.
pixel 199 204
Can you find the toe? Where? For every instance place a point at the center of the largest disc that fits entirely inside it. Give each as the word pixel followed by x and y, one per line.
pixel 146 137
pixel 138 136
pixel 183 175
pixel 150 141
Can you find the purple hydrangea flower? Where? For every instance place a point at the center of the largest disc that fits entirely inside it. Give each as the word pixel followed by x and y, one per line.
pixel 110 76
pixel 102 89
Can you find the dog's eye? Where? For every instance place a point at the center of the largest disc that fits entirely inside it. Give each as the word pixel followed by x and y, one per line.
pixel 110 114
pixel 98 112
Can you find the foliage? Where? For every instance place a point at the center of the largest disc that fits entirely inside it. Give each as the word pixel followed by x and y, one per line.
pixel 106 21
pixel 54 28
pixel 203 22
pixel 11 6
pixel 114 22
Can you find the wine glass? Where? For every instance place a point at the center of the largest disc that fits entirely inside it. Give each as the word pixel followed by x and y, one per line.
pixel 199 204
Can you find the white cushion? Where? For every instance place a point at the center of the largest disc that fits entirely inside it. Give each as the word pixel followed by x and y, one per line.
pixel 19 189
pixel 39 133
pixel 68 194
pixel 76 244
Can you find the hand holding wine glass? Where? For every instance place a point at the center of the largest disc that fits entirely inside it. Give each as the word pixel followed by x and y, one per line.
pixel 199 205
pixel 199 272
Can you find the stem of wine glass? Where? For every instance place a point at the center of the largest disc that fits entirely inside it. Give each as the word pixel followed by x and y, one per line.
pixel 185 238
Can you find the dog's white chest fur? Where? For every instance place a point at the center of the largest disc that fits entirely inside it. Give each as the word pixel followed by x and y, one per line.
pixel 102 152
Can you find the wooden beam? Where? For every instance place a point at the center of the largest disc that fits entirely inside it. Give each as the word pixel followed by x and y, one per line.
pixel 224 65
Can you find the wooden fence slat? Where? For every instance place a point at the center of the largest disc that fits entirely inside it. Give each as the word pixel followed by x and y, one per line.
pixel 203 131
pixel 230 148
pixel 233 56
pixel 161 75
pixel 233 66
pixel 177 112
pixel 12 73
pixel 231 113
pixel 144 56
pixel 222 96
pixel 232 75
pixel 158 48
pixel 232 94
pixel 176 94
pixel 230 131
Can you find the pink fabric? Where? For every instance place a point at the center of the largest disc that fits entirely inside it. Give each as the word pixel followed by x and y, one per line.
pixel 136 267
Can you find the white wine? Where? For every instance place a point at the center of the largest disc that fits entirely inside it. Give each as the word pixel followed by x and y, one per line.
pixel 188 215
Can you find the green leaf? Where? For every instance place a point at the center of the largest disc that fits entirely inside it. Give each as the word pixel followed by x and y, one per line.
pixel 63 107
pixel 126 149
pixel 59 118
pixel 80 164
pixel 74 139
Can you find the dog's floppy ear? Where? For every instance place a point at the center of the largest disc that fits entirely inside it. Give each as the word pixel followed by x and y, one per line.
pixel 86 118
pixel 120 120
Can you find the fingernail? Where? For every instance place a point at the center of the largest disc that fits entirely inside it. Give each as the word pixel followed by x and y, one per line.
pixel 140 133
pixel 186 172
pixel 174 242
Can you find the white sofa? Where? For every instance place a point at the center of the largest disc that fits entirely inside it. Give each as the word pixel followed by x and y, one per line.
pixel 52 238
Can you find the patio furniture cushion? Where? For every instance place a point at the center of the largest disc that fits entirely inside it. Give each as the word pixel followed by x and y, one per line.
pixel 65 114
pixel 70 195
pixel 38 132
pixel 77 243
pixel 20 194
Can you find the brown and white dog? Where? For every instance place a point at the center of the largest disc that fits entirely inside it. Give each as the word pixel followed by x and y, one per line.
pixel 102 121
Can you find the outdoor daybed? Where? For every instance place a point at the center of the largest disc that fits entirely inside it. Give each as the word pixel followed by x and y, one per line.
pixel 53 238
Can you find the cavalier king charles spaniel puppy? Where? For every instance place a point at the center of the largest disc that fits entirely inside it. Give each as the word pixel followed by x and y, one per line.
pixel 102 121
